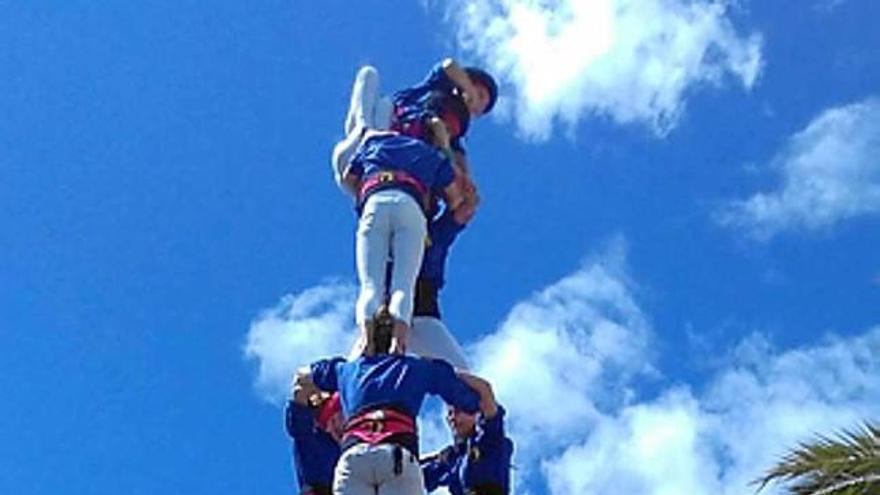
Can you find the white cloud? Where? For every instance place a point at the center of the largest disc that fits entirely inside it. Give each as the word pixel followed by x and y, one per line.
pixel 567 351
pixel 316 323
pixel 633 61
pixel 830 172
pixel 719 441
pixel 567 363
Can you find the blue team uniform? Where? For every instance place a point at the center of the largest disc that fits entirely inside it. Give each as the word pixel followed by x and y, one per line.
pixel 477 465
pixel 433 97
pixel 442 232
pixel 394 152
pixel 315 452
pixel 396 381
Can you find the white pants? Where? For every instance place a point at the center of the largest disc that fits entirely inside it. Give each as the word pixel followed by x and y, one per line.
pixel 366 110
pixel 392 223
pixel 430 338
pixel 369 470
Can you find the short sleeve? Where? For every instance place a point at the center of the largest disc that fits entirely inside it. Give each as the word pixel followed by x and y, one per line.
pixel 356 164
pixel 452 389
pixel 324 373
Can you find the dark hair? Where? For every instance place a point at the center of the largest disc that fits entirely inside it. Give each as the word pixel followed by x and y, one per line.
pixel 480 76
pixel 383 330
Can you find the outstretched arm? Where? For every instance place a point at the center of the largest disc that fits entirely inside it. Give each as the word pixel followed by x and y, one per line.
pixel 488 406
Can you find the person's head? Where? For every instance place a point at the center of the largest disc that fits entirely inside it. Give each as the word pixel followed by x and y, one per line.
pixel 380 331
pixel 329 416
pixel 486 91
pixel 461 423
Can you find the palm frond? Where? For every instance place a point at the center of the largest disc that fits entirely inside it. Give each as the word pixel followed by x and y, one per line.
pixel 847 464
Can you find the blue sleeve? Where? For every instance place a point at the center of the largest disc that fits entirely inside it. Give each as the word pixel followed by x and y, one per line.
pixel 492 465
pixel 324 374
pixel 452 389
pixel 438 80
pixel 445 176
pixel 491 431
pixel 438 471
pixel 314 459
pixel 356 164
pixel 299 420
pixel 444 230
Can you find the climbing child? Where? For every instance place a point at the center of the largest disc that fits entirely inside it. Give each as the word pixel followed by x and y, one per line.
pixel 394 176
pixel 438 109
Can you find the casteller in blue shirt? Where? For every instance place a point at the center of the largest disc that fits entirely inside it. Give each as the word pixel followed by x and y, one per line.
pixel 315 451
pixel 478 464
pixel 442 232
pixel 390 152
pixel 435 96
pixel 391 380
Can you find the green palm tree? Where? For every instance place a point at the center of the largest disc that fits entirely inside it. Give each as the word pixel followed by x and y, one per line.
pixel 848 464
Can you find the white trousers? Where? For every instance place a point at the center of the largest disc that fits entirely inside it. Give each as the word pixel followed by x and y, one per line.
pixel 391 224
pixel 369 470
pixel 366 110
pixel 430 338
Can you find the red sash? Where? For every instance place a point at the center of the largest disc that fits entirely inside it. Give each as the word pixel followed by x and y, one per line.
pixel 376 426
pixel 388 178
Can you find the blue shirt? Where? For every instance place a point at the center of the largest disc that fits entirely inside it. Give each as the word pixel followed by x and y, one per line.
pixel 392 380
pixel 389 152
pixel 434 97
pixel 315 452
pixel 442 232
pixel 481 460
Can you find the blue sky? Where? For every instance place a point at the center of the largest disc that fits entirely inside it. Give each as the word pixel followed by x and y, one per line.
pixel 677 247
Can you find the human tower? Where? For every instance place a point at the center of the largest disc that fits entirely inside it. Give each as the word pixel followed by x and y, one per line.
pixel 353 419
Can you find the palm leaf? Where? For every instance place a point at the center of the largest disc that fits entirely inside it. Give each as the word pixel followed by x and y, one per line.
pixel 848 464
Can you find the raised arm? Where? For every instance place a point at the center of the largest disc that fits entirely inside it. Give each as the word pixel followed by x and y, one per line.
pixel 459 77
pixel 488 406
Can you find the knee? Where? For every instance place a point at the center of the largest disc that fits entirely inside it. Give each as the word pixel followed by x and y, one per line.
pixel 368 73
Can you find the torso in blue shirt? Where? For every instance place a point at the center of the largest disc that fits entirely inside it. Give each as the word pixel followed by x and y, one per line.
pixel 392 380
pixel 389 152
pixel 442 232
pixel 433 97
pixel 315 452
pixel 481 461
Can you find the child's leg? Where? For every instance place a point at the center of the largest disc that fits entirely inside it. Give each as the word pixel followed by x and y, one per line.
pixel 408 247
pixel 382 113
pixel 371 249
pixel 361 116
pixel 364 93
